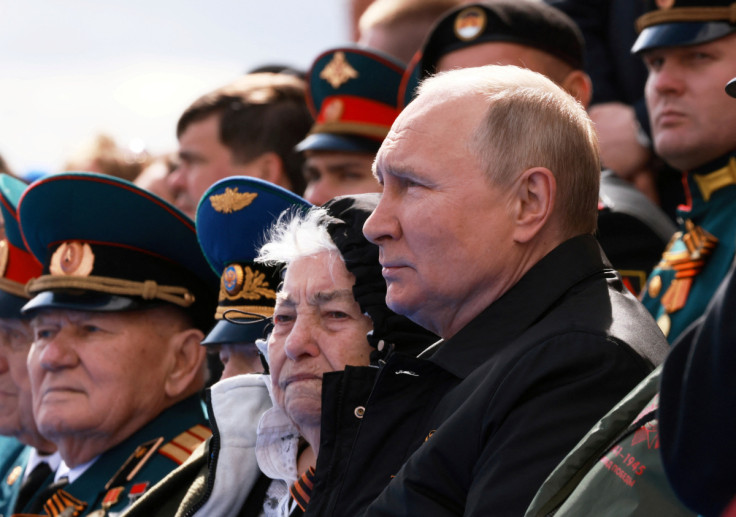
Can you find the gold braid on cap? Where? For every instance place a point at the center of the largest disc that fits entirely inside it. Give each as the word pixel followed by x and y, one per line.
pixel 13 287
pixel 687 14
pixel 148 290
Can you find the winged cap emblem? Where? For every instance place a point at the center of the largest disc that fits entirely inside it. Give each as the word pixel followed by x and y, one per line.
pixel 231 200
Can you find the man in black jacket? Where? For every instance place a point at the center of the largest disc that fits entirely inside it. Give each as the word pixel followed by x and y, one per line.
pixel 490 194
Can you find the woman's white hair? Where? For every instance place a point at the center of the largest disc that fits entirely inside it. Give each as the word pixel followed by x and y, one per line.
pixel 295 235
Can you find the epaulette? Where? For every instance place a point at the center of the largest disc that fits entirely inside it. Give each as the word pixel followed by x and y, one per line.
pixel 183 445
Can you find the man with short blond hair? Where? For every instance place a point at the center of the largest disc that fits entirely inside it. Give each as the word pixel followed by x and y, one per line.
pixel 530 34
pixel 539 335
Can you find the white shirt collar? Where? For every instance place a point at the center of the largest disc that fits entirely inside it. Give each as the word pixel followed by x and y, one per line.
pixel 35 457
pixel 73 473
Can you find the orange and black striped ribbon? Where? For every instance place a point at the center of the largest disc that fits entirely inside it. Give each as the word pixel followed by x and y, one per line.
pixel 301 490
pixel 61 501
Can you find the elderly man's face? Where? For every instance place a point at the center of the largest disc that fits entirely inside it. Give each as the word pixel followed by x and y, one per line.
pixel 97 374
pixel 16 414
pixel 318 328
pixel 691 114
pixel 443 231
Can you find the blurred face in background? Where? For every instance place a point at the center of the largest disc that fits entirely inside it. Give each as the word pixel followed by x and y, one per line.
pixel 333 173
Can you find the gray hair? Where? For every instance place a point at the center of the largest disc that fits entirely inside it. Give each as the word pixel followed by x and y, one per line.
pixel 297 234
pixel 530 122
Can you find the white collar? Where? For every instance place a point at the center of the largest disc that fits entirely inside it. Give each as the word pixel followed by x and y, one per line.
pixel 35 457
pixel 72 473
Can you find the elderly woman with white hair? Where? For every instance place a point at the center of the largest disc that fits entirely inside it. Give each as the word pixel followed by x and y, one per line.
pixel 330 315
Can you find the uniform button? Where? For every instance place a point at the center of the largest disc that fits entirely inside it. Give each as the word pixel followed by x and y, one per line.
pixel 359 411
pixel 655 286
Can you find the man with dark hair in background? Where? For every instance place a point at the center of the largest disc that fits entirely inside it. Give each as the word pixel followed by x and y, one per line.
pixel 248 127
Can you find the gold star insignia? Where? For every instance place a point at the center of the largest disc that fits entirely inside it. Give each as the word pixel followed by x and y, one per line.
pixel 338 71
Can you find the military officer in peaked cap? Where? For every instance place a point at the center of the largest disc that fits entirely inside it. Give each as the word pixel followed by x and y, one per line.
pixel 690 51
pixel 631 229
pixel 689 48
pixel 117 316
pixel 232 219
pixel 27 459
pixel 352 94
pixel 697 445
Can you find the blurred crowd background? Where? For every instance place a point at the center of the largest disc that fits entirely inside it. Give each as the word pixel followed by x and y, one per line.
pixel 78 69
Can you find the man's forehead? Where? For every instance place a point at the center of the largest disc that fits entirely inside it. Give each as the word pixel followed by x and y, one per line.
pixel 50 315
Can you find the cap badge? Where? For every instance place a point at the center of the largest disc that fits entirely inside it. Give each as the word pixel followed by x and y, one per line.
pixel 4 251
pixel 470 23
pixel 231 200
pixel 72 259
pixel 338 71
pixel 244 283
pixel 665 4
pixel 333 110
pixel 232 279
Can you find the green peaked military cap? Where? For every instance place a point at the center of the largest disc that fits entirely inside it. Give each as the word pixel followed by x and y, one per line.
pixel 233 217
pixel 108 245
pixel 674 23
pixel 17 266
pixel 351 92
pixel 524 22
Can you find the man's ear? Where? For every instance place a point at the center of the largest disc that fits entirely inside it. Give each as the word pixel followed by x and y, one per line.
pixel 578 84
pixel 186 371
pixel 535 192
pixel 271 168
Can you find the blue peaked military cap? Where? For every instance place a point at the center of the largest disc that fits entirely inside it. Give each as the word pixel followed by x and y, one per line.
pixel 108 245
pixel 17 266
pixel 524 22
pixel 351 92
pixel 233 217
pixel 674 23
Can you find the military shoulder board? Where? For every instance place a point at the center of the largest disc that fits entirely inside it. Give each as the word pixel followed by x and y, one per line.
pixel 180 448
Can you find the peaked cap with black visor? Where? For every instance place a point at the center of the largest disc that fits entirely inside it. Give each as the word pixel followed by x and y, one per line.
pixel 107 245
pixel 232 219
pixel 351 93
pixel 524 22
pixel 674 23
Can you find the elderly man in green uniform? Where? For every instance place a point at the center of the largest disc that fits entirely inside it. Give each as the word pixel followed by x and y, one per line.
pixel 352 96
pixel 690 50
pixel 232 219
pixel 631 229
pixel 117 316
pixel 689 47
pixel 26 457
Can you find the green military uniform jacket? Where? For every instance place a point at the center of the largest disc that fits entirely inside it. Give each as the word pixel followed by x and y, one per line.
pixel 700 254
pixel 615 470
pixel 221 478
pixel 125 472
pixel 13 459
